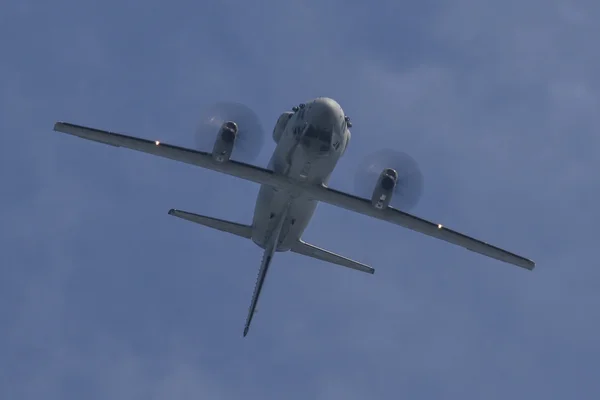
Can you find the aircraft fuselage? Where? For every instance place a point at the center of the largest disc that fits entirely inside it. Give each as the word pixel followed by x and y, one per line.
pixel 309 147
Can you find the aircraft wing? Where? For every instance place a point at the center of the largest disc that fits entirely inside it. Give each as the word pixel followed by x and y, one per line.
pixel 155 147
pixel 320 193
pixel 406 220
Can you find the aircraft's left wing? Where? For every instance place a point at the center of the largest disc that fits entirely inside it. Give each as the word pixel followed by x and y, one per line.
pixel 320 193
pixel 157 148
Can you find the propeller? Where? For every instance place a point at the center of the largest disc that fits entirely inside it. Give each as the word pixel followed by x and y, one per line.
pixel 409 186
pixel 250 137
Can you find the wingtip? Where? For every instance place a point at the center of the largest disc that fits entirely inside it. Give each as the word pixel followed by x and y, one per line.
pixel 62 126
pixel 526 264
pixel 246 331
pixel 171 211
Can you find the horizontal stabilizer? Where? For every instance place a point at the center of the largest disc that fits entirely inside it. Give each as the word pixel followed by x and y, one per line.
pixel 242 230
pixel 315 252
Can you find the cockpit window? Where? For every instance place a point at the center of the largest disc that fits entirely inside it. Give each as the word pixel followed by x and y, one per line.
pixel 318 139
pixel 311 132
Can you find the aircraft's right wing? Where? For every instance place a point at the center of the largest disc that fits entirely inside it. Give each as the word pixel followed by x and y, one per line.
pixel 320 193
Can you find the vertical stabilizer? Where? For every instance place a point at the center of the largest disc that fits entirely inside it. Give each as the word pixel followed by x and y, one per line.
pixel 270 248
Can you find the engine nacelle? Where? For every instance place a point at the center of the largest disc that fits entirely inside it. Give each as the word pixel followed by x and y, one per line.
pixel 282 122
pixel 225 142
pixel 348 136
pixel 384 190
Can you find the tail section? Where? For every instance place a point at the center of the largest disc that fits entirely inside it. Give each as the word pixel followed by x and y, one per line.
pixel 241 230
pixel 315 252
pixel 245 231
pixel 260 280
pixel 264 266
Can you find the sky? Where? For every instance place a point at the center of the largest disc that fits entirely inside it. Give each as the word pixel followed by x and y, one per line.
pixel 105 296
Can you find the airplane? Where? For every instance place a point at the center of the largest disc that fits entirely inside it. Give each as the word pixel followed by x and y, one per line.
pixel 310 140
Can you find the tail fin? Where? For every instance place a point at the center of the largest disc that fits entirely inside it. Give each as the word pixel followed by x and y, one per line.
pixel 270 248
pixel 241 230
pixel 309 250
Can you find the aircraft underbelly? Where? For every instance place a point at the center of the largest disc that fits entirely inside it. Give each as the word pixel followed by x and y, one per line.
pixel 298 164
pixel 269 205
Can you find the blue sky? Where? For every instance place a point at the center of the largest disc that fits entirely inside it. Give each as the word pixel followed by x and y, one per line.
pixel 105 296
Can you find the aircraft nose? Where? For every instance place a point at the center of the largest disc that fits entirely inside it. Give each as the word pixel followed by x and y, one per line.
pixel 327 113
pixel 324 119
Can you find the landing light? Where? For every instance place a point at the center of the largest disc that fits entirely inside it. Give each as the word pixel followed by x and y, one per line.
pixel 157 142
pixel 440 226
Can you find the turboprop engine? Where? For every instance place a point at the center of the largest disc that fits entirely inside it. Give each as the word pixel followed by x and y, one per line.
pixel 396 176
pixel 282 122
pixel 225 142
pixel 384 190
pixel 230 122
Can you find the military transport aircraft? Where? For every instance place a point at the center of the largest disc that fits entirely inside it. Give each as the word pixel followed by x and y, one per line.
pixel 310 139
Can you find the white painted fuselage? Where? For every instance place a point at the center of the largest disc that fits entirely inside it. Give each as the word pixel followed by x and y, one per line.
pixel 309 147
